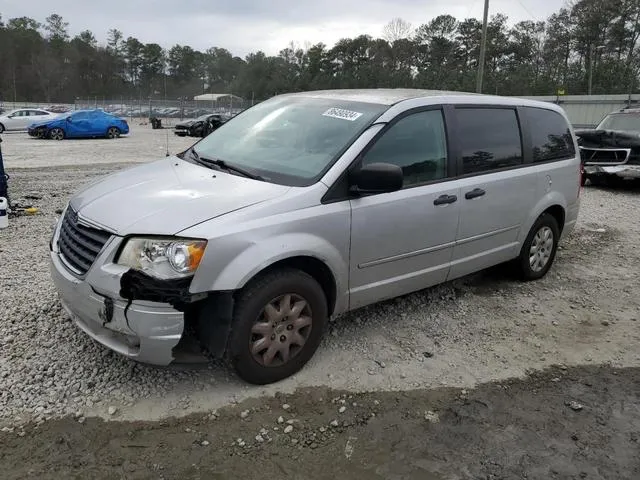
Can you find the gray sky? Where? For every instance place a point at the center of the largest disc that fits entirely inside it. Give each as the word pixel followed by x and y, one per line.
pixel 243 26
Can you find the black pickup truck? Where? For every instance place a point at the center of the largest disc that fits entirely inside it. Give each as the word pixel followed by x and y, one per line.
pixel 611 152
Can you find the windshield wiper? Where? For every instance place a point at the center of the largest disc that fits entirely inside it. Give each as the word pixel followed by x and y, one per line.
pixel 224 165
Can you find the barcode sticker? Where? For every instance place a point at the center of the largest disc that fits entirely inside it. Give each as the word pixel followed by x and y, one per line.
pixel 342 114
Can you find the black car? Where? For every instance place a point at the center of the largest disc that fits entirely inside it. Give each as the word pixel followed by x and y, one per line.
pixel 199 127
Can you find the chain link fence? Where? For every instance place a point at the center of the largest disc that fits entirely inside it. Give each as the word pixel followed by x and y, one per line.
pixel 140 110
pixel 169 111
pixel 584 111
pixel 51 107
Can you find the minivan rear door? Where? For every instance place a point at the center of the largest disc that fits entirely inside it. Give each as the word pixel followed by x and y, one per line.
pixel 497 191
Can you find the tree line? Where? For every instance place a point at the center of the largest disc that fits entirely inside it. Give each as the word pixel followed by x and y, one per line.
pixel 42 62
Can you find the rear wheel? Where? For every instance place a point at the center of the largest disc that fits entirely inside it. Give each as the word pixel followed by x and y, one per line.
pixel 113 132
pixel 56 134
pixel 1 128
pixel 278 324
pixel 539 249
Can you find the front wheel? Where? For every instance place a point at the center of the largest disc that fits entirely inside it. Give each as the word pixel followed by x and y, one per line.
pixel 539 249
pixel 113 132
pixel 1 128
pixel 56 134
pixel 278 324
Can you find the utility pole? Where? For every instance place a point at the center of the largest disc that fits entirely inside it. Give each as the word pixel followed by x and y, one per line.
pixel 483 47
pixel 592 53
pixel 592 61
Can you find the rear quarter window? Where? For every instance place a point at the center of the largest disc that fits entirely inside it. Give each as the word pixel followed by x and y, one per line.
pixel 550 135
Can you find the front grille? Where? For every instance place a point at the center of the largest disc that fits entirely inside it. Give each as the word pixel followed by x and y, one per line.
pixel 79 245
pixel 604 156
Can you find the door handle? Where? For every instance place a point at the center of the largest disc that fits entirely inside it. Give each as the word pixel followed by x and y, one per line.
pixel 445 200
pixel 475 193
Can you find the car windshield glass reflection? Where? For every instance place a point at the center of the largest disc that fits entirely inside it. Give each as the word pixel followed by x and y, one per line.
pixel 289 140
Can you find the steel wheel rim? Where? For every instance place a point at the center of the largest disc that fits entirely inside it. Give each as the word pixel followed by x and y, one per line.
pixel 541 249
pixel 281 330
pixel 113 132
pixel 56 134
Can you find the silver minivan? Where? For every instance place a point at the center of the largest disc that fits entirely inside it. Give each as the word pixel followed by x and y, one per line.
pixel 309 205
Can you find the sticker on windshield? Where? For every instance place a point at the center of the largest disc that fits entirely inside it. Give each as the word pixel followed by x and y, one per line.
pixel 342 114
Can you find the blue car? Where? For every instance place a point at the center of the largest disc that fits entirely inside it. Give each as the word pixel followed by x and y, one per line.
pixel 80 124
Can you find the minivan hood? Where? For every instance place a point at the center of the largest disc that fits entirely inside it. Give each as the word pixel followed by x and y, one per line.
pixel 167 196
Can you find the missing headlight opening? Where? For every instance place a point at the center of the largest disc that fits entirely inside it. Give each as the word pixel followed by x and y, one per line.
pixel 136 285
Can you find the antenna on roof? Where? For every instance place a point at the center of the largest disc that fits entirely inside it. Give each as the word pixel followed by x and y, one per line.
pixel 168 154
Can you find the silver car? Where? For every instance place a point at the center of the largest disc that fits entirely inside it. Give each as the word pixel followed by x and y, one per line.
pixel 309 205
pixel 21 119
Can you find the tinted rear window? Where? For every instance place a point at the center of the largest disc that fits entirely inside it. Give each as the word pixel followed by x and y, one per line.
pixel 550 135
pixel 489 139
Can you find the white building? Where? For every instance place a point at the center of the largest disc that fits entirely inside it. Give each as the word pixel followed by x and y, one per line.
pixel 226 100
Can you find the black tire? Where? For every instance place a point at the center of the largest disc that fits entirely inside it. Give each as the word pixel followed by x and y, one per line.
pixel 596 180
pixel 56 134
pixel 251 302
pixel 526 271
pixel 1 128
pixel 113 132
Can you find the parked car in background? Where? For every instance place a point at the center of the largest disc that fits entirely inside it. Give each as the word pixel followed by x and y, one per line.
pixel 80 124
pixel 611 152
pixel 21 118
pixel 199 127
pixel 309 205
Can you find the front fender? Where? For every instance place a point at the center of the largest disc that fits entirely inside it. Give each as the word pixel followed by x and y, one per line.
pixel 260 255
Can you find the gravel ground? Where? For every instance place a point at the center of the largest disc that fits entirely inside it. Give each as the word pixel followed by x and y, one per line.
pixel 482 328
pixel 577 423
pixel 142 145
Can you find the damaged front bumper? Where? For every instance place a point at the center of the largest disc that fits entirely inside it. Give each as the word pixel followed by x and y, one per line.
pixel 142 330
pixel 623 171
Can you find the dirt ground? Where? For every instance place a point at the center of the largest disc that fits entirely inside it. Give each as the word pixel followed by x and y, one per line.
pixel 411 355
pixel 581 423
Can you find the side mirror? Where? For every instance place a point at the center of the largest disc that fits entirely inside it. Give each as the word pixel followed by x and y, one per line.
pixel 377 178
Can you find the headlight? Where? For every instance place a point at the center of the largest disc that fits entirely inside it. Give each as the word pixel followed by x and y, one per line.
pixel 163 258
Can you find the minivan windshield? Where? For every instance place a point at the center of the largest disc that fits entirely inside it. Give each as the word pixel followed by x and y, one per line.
pixel 624 122
pixel 291 140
